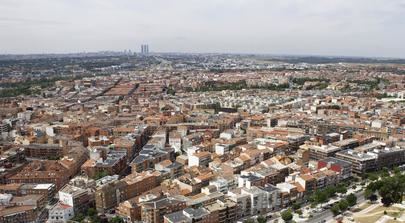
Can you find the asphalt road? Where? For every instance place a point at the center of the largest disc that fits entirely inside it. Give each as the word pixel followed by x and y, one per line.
pixel 327 214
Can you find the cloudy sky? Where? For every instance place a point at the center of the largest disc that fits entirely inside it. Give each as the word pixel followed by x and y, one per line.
pixel 315 27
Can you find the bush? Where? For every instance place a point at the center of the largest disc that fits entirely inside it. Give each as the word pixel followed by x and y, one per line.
pixel 373 198
pixel 343 205
pixel 91 212
pixel 287 215
pixel 261 219
pixel 341 189
pixel 351 200
pixel 335 209
pixel 116 219
pixel 100 175
pixel 296 206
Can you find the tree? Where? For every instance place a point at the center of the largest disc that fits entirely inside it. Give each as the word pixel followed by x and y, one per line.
pixel 330 191
pixel 320 197
pixel 261 219
pixel 385 172
pixel 390 188
pixel 372 198
pixel 335 209
pixel 341 189
pixel 397 171
pixel 116 219
pixel 387 201
pixel 249 221
pixel 343 205
pixel 372 177
pixel 296 206
pixel 287 215
pixel 79 217
pixel 91 212
pixel 368 193
pixel 351 200
pixel 100 175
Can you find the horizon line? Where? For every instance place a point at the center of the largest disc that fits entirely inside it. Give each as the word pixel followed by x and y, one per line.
pixel 204 53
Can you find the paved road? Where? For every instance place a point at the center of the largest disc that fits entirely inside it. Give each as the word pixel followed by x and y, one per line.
pixel 327 214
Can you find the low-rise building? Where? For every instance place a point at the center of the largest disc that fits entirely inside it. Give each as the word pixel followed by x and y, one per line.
pixel 154 211
pixel 60 213
pixel 343 168
pixel 149 156
pixel 189 215
pixel 222 211
pixel 199 159
pixel 361 162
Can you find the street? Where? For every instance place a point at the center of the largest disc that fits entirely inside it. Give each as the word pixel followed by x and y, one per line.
pixel 327 214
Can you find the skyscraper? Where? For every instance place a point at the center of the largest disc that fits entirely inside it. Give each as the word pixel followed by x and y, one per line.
pixel 144 49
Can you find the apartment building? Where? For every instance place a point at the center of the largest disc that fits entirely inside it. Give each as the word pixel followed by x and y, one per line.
pixel 189 215
pixel 149 156
pixel 153 211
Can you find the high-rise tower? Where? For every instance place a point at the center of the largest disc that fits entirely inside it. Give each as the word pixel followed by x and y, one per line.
pixel 144 49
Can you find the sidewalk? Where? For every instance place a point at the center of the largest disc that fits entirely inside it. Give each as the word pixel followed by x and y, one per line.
pixel 368 209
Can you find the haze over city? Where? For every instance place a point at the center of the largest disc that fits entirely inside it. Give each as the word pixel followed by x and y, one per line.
pixel 370 28
pixel 208 111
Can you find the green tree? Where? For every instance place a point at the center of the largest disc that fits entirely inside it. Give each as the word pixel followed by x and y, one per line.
pixel 373 198
pixel 330 191
pixel 387 201
pixel 372 177
pixel 296 206
pixel 368 193
pixel 91 212
pixel 79 217
pixel 351 200
pixel 397 171
pixel 343 205
pixel 287 215
pixel 116 219
pixel 390 188
pixel 321 197
pixel 335 209
pixel 100 175
pixel 341 189
pixel 261 219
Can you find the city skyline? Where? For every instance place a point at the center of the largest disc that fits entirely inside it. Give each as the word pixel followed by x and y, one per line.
pixel 333 28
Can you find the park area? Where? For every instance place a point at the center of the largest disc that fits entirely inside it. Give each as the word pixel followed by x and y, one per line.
pixel 380 214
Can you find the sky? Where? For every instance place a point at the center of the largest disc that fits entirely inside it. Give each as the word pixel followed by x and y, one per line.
pixel 371 28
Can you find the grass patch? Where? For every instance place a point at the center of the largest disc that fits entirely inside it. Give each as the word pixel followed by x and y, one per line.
pixel 367 219
pixel 377 213
pixel 364 206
